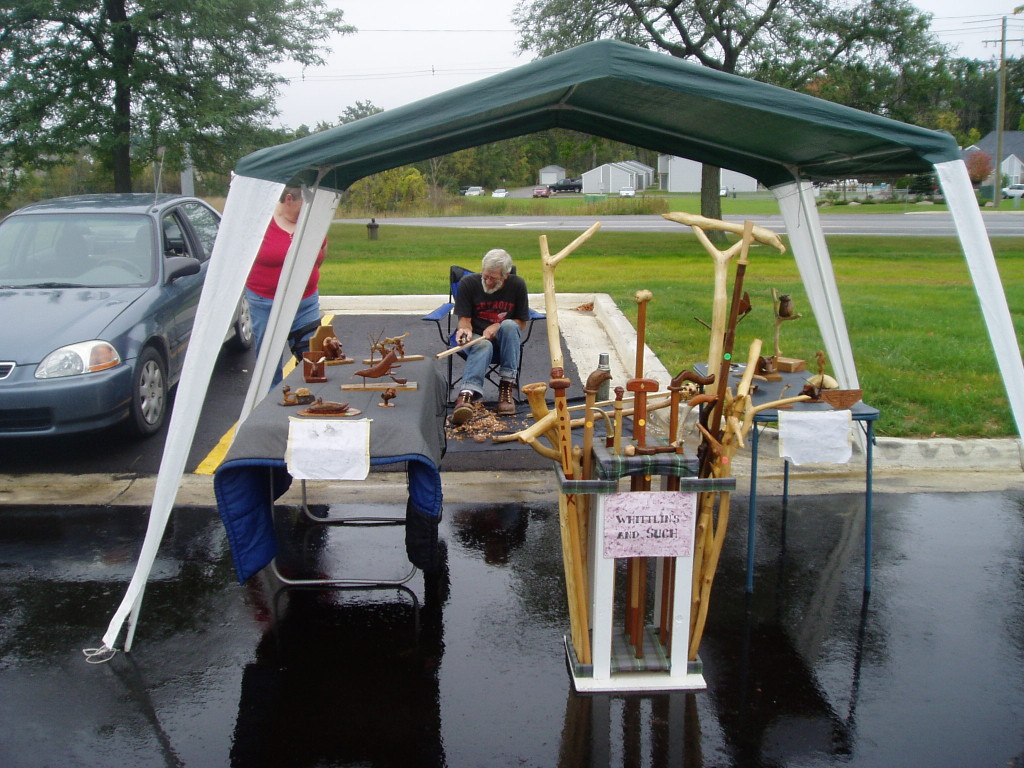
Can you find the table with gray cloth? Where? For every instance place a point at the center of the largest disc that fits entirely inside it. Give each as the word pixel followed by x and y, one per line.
pixel 254 473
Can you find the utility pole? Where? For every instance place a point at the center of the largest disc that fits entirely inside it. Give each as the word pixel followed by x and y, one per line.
pixel 997 186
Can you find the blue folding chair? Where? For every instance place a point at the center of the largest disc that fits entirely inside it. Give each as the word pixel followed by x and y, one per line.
pixel 447 324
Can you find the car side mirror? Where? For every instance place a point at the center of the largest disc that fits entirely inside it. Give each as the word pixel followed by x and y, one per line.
pixel 180 266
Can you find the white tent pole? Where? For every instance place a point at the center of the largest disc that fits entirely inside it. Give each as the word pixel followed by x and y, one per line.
pixel 315 218
pixel 959 194
pixel 249 205
pixel 803 227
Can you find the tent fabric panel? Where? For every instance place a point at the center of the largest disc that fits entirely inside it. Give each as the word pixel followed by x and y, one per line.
pixel 624 92
pixel 311 229
pixel 981 262
pixel 249 202
pixel 803 228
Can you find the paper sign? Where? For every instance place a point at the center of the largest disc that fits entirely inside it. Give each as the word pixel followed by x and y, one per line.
pixel 328 449
pixel 649 524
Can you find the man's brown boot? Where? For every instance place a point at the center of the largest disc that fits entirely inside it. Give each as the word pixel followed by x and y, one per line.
pixel 463 407
pixel 506 405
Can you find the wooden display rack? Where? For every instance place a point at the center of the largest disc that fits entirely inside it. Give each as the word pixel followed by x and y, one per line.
pixel 664 665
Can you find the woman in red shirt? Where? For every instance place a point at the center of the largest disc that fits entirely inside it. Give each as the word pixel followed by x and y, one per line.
pixel 261 285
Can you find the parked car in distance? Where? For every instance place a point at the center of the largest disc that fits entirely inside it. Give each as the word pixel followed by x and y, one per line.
pixel 98 295
pixel 627 192
pixel 541 192
pixel 1014 190
pixel 463 190
pixel 475 192
pixel 567 185
pixel 723 191
pixel 499 193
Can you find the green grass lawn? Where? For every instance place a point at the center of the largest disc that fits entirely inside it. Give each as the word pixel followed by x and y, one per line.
pixel 922 351
pixel 605 205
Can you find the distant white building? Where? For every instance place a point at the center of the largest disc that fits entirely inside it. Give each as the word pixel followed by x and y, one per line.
pixel 611 177
pixel 550 174
pixel 678 174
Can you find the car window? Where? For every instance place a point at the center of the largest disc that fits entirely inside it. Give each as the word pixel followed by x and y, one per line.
pixel 70 249
pixel 175 243
pixel 205 223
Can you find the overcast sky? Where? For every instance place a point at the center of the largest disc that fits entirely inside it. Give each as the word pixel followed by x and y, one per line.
pixel 408 49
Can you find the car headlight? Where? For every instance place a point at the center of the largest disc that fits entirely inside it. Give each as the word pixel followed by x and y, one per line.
pixel 84 357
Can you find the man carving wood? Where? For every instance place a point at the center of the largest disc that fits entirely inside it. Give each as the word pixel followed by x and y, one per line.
pixel 492 304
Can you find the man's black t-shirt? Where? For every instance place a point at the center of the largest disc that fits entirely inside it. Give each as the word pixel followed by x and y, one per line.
pixel 508 302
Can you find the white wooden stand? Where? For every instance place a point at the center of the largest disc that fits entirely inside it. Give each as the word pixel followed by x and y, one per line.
pixel 663 667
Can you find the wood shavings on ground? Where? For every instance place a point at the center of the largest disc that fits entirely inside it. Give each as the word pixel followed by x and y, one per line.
pixel 483 425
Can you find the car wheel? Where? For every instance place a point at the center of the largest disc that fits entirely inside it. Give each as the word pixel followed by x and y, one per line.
pixel 242 338
pixel 149 394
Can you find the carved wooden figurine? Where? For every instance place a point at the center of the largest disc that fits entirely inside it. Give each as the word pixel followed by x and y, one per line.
pixel 313 371
pixel 300 396
pixel 784 311
pixel 387 396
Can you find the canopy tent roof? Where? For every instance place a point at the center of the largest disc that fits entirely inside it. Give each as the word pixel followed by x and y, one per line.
pixel 784 139
pixel 628 94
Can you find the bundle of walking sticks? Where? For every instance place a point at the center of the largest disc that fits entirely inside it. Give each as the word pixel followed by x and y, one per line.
pixel 725 418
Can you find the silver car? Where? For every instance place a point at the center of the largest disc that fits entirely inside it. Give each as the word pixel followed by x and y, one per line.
pixel 98 295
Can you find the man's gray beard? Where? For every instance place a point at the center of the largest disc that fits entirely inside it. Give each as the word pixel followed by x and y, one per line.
pixel 498 287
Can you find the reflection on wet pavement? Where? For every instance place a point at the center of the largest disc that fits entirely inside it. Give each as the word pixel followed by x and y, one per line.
pixel 469 669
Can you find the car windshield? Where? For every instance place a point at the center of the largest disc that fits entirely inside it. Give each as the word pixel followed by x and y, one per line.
pixel 76 250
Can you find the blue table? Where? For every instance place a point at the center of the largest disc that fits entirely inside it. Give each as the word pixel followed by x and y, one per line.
pixel 863 415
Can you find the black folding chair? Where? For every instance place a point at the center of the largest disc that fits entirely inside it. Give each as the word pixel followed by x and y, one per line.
pixel 447 324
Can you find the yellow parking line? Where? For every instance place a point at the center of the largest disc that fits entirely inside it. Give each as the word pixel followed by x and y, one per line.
pixel 214 458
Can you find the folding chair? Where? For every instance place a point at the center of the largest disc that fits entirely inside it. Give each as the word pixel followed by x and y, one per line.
pixel 447 324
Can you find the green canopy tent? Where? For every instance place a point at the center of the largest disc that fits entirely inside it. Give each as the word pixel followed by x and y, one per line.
pixel 784 139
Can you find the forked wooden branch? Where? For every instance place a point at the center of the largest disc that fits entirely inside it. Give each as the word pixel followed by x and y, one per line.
pixel 548 264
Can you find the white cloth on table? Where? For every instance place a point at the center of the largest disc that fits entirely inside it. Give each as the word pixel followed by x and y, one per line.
pixel 328 449
pixel 807 437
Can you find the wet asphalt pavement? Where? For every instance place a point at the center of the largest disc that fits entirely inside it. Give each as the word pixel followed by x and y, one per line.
pixel 466 668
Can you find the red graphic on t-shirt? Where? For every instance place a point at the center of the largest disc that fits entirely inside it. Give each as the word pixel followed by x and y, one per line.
pixel 494 311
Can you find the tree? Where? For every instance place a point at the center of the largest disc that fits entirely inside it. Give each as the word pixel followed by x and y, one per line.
pixel 358 111
pixel 792 43
pixel 123 78
pixel 979 166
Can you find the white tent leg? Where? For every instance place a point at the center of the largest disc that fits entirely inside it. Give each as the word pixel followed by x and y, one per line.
pixel 247 210
pixel 803 227
pixel 959 194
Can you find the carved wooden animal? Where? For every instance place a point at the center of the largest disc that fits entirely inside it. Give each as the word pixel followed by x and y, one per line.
pixel 327 407
pixel 332 349
pixel 382 367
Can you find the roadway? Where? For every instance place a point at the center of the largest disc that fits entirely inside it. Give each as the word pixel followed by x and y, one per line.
pixel 1003 223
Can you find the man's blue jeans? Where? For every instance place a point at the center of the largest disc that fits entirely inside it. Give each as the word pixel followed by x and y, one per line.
pixel 504 350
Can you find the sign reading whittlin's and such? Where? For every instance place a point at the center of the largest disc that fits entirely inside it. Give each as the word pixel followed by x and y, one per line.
pixel 655 527
pixel 649 524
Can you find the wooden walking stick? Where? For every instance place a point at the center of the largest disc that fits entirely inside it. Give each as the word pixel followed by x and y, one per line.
pixel 640 387
pixel 572 547
pixel 721 259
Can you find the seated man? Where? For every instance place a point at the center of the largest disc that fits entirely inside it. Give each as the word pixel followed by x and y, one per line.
pixel 492 304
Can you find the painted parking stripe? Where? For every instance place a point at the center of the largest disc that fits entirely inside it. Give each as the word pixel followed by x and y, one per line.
pixel 214 458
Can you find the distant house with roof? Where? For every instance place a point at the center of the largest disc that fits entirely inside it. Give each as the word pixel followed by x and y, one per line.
pixel 678 174
pixel 1012 165
pixel 611 177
